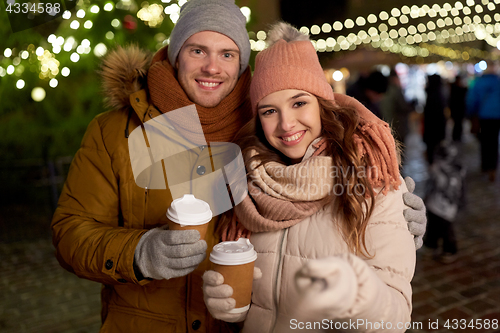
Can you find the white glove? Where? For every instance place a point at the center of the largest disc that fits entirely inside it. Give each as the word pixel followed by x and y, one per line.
pixel 327 288
pixel 217 296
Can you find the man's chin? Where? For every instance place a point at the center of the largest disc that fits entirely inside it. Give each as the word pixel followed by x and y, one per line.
pixel 207 102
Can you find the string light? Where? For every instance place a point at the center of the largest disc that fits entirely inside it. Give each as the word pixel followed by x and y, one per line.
pixel 38 94
pixel 109 7
pixel 20 84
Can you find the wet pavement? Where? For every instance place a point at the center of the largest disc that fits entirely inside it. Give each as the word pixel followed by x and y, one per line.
pixel 37 295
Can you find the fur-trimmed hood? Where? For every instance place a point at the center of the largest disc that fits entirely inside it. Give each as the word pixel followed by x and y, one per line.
pixel 124 72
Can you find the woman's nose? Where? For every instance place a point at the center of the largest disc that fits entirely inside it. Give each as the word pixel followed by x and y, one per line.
pixel 287 121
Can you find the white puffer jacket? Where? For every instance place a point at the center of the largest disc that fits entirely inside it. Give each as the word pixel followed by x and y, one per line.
pixel 382 296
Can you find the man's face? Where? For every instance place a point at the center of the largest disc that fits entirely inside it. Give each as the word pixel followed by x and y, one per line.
pixel 207 67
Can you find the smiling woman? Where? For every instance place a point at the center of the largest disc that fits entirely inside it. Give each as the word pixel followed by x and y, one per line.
pixel 332 246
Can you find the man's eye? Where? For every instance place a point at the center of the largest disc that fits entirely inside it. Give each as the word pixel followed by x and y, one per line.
pixel 228 55
pixel 197 51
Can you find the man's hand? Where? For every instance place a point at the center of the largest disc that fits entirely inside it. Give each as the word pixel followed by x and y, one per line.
pixel 218 299
pixel 415 215
pixel 165 254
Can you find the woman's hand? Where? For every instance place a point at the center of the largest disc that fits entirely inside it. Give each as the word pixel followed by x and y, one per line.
pixel 328 288
pixel 217 296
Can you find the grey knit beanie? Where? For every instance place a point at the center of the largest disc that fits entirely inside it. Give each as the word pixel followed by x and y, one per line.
pixel 221 16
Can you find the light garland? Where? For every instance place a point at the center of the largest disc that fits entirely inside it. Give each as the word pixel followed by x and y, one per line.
pixel 448 24
pixel 468 29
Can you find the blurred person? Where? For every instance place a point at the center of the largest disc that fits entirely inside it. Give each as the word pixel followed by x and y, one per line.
pixel 434 118
pixel 395 109
pixel 444 199
pixel 108 229
pixel 370 90
pixel 457 105
pixel 323 254
pixel 483 102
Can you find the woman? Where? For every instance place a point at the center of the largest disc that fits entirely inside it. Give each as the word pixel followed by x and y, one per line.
pixel 324 205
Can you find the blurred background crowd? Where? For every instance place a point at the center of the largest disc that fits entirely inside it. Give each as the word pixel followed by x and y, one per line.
pixel 429 68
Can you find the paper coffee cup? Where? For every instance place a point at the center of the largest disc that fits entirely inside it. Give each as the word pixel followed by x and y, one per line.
pixel 188 213
pixel 235 261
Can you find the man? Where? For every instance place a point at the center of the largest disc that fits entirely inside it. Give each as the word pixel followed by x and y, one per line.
pixel 483 106
pixel 109 224
pixel 370 90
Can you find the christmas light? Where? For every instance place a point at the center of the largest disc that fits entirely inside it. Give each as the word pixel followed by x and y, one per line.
pixel 53 83
pixel 108 7
pixel 74 25
pixel 100 50
pixel 20 84
pixel 110 35
pixel 38 94
pixel 66 15
pixel 65 71
pixel 88 24
pixel 7 53
pixel 2 72
pixel 75 57
pixel 39 51
pixel 80 13
pixel 115 23
pixel 246 12
pixel 94 9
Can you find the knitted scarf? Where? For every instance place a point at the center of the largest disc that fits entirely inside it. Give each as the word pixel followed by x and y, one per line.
pixel 279 196
pixel 219 123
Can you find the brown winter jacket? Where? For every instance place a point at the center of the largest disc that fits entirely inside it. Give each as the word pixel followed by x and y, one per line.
pixel 102 213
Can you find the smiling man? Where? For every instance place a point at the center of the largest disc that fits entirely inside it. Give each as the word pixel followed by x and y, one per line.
pixel 108 227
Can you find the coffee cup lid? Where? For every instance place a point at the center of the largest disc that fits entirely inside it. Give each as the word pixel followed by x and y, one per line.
pixel 233 252
pixel 189 211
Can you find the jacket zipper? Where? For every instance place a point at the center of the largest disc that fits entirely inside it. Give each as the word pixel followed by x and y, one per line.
pixel 277 281
pixel 146 196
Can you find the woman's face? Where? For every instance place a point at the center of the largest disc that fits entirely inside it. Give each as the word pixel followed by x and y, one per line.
pixel 290 120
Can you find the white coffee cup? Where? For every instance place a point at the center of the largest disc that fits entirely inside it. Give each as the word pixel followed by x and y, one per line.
pixel 188 213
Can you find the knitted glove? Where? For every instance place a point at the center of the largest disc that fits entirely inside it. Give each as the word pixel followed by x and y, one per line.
pixel 415 216
pixel 165 254
pixel 217 296
pixel 327 287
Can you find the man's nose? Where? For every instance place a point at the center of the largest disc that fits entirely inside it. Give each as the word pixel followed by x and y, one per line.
pixel 212 65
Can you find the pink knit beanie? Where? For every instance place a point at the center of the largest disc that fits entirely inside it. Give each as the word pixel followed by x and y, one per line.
pixel 290 62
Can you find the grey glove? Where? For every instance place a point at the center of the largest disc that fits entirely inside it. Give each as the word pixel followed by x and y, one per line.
pixel 165 254
pixel 415 215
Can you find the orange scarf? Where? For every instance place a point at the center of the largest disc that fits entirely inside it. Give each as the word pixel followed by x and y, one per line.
pixel 219 123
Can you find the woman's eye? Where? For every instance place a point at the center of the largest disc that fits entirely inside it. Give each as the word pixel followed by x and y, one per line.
pixel 299 104
pixel 268 112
